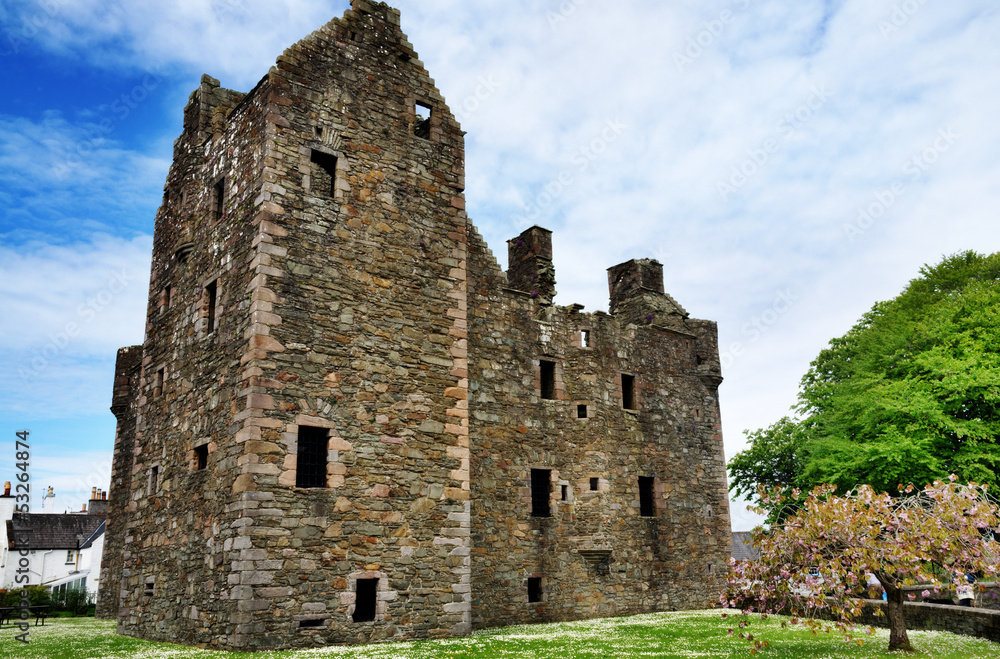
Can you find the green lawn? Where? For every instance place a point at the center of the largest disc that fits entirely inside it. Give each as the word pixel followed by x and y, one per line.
pixel 684 634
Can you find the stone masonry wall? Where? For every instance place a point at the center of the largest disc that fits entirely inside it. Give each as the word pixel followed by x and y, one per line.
pixel 315 275
pixel 595 555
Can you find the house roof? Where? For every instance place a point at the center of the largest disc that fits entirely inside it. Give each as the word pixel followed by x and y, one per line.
pixel 54 531
pixel 743 549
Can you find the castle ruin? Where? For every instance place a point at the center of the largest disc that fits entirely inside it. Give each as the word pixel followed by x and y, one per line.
pixel 347 424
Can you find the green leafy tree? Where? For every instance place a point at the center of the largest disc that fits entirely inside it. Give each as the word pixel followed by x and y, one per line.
pixel 909 395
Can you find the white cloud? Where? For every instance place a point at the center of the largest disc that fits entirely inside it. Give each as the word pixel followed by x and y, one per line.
pixel 533 92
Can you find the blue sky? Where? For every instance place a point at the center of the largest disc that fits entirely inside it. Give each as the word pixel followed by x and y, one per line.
pixel 790 164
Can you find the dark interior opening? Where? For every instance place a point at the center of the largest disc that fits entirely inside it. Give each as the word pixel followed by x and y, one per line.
pixel 310 469
pixel 326 174
pixel 628 391
pixel 311 623
pixel 211 292
pixel 219 199
pixel 646 507
pixel 364 604
pixel 593 484
pixel 581 411
pixel 548 376
pixel 201 457
pixel 565 492
pixel 534 589
pixel 540 489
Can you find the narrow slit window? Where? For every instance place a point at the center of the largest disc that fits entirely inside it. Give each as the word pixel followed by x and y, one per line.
pixel 422 127
pixel 564 492
pixel 365 601
pixel 311 459
pixel 581 411
pixel 548 379
pixel 325 172
pixel 158 382
pixel 219 199
pixel 585 338
pixel 646 507
pixel 541 487
pixel 150 588
pixel 201 457
pixel 534 589
pixel 594 483
pixel 628 392
pixel 210 294
pixel 154 481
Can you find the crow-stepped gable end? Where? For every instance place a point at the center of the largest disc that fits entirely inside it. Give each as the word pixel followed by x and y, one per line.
pixel 347 424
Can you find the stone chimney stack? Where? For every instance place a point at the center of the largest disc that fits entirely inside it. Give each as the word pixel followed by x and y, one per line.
pixel 637 295
pixel 6 489
pixel 529 264
pixel 49 501
pixel 98 504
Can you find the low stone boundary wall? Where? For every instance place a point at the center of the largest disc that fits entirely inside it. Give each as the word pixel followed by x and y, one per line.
pixel 987 594
pixel 981 623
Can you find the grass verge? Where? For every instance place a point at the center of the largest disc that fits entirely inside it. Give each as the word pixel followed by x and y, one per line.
pixel 682 634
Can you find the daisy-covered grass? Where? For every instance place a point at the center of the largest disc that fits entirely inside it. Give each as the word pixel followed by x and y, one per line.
pixel 684 634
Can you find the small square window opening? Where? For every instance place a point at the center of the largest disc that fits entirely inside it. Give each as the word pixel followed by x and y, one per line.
pixel 422 127
pixel 534 589
pixel 310 470
pixel 594 482
pixel 646 505
pixel 201 457
pixel 365 600
pixel 547 374
pixel 541 487
pixel 628 392
pixel 581 411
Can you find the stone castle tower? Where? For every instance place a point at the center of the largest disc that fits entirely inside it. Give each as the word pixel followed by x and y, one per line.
pixel 347 424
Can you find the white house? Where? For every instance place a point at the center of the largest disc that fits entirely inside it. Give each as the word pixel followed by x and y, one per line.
pixel 64 550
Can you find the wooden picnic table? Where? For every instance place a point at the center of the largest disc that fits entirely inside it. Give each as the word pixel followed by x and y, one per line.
pixel 13 613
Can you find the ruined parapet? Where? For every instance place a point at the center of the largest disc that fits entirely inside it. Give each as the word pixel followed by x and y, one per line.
pixel 707 352
pixel 124 399
pixel 637 295
pixel 529 264
pixel 207 107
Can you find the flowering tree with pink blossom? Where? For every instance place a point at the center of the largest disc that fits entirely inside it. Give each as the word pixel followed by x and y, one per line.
pixel 904 540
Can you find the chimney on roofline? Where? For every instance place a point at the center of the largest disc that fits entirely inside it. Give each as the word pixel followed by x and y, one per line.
pixel 6 489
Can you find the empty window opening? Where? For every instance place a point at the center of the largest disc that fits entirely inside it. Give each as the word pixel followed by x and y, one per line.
pixel 594 482
pixel 646 507
pixel 585 338
pixel 201 457
pixel 319 133
pixel 325 174
pixel 219 199
pixel 548 379
pixel 318 622
pixel 154 481
pixel 158 382
pixel 565 492
pixel 422 128
pixel 581 411
pixel 150 588
pixel 628 392
pixel 540 489
pixel 311 459
pixel 534 589
pixel 366 598
pixel 210 293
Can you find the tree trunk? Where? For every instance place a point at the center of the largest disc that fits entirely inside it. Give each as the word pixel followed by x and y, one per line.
pixel 898 640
